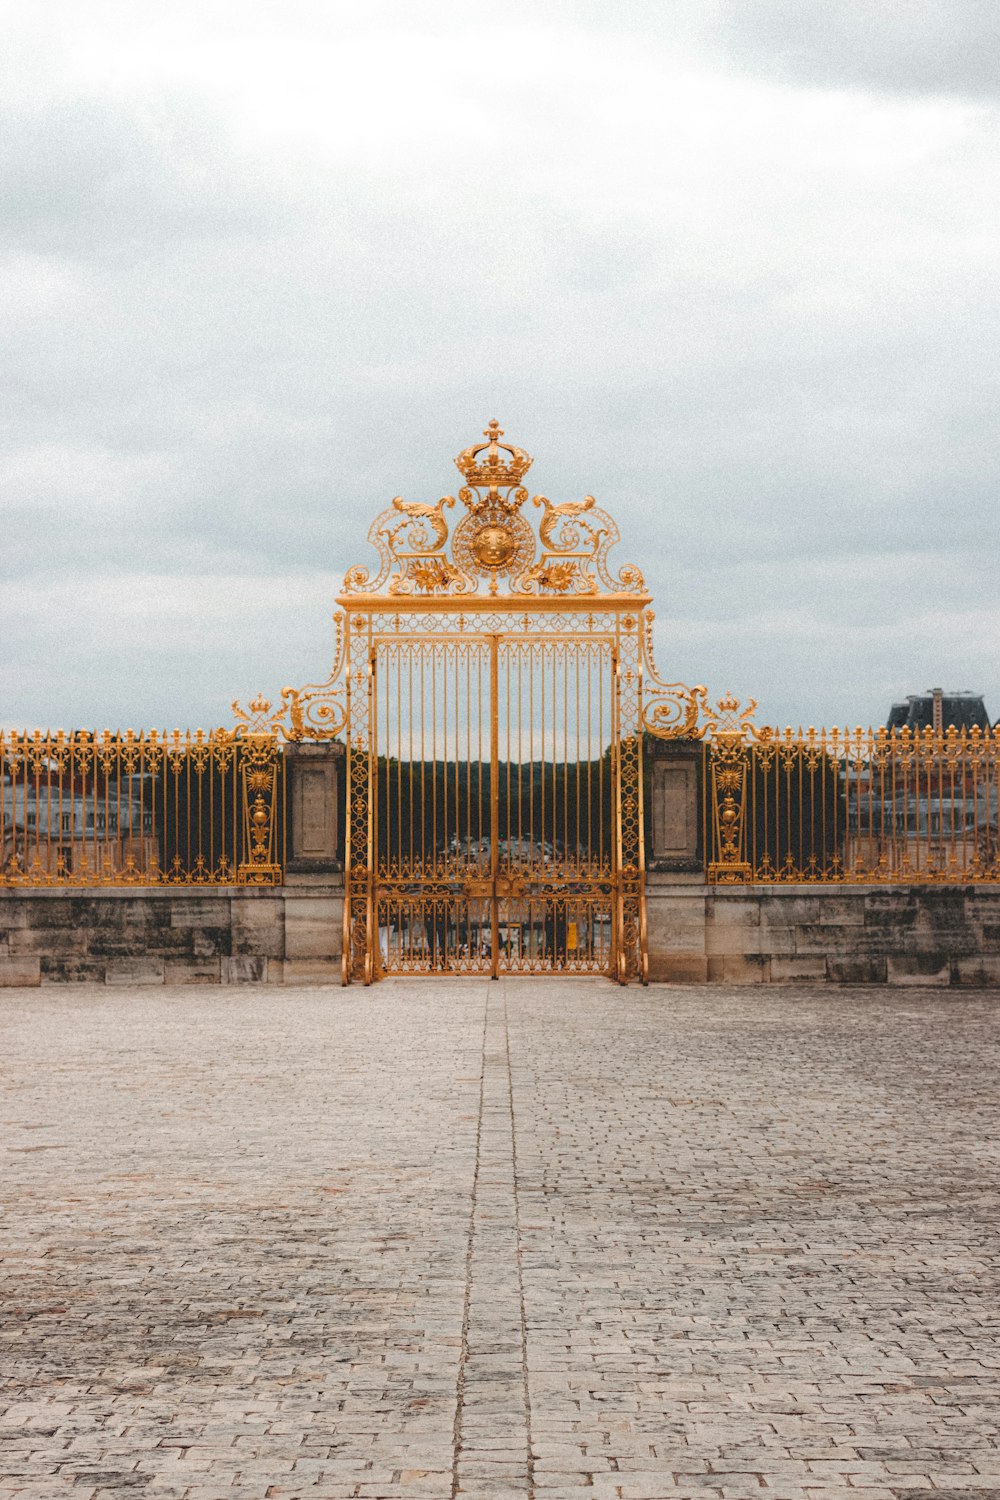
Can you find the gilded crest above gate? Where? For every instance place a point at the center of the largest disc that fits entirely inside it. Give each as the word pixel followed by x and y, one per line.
pixel 494 542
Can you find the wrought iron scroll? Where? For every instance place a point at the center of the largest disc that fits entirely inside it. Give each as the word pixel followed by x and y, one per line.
pixel 317 711
pixel 259 776
pixel 730 728
pixel 669 710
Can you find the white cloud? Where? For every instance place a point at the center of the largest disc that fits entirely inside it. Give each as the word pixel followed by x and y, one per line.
pixel 56 476
pixel 944 47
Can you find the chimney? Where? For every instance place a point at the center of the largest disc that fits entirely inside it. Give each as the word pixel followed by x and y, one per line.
pixel 937 709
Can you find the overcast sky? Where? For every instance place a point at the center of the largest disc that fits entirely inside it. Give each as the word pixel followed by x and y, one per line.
pixel 731 267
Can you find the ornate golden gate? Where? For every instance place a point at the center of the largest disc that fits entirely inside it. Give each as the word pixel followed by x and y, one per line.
pixel 495 788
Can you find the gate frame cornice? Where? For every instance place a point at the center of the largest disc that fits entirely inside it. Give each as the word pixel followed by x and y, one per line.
pixel 484 604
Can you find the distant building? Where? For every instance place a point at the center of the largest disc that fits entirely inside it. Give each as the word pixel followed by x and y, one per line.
pixel 68 828
pixel 919 807
pixel 937 709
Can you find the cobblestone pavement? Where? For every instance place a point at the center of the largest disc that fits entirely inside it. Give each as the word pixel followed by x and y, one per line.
pixel 553 1239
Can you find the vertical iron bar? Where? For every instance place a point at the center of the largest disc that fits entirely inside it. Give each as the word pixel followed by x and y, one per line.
pixel 494 805
pixel 643 916
pixel 345 947
pixel 371 936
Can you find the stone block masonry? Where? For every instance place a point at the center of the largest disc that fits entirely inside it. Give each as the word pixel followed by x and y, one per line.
pixel 917 935
pixel 155 936
pixel 139 936
pixel 848 934
pixel 930 935
pixel 938 935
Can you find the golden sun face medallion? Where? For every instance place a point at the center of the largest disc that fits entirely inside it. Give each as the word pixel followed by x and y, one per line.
pixel 492 546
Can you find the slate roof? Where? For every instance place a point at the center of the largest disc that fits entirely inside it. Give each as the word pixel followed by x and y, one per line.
pixel 963 710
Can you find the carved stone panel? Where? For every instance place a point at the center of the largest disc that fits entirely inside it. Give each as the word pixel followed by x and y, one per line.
pixel 674 810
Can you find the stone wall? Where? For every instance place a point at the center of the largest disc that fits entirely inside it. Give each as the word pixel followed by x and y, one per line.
pixel 285 934
pixel 899 935
pixel 840 934
pixel 697 934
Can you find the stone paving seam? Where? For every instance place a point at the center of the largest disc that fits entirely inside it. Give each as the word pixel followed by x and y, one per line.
pixel 492 1460
pixel 467 1303
pixel 520 1258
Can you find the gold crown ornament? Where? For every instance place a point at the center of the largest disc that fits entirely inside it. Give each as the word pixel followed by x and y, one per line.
pixel 493 472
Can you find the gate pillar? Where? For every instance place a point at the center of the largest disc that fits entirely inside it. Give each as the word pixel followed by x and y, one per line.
pixel 675 808
pixel 314 886
pixel 314 773
pixel 675 884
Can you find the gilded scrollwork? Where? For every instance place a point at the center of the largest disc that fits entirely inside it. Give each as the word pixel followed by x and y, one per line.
pixel 670 710
pixel 259 776
pixel 576 538
pixel 556 576
pixel 568 517
pixel 493 541
pixel 427 529
pixel 730 716
pixel 317 711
